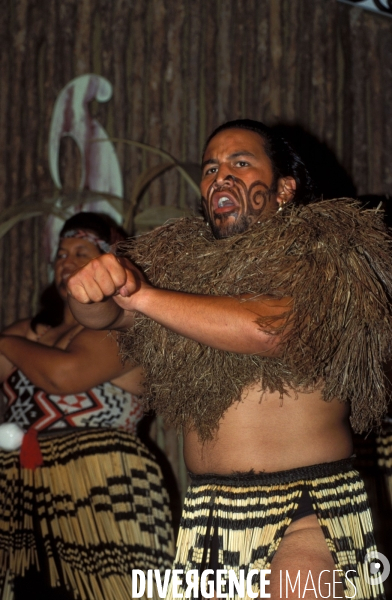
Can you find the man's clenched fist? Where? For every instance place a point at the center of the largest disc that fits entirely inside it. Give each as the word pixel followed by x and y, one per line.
pixel 104 277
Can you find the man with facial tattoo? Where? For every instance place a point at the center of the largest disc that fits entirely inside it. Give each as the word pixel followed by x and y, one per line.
pixel 262 329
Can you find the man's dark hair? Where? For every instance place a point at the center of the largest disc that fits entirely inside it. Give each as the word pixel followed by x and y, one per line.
pixel 285 161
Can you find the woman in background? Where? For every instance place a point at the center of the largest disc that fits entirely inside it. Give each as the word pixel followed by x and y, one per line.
pixel 83 502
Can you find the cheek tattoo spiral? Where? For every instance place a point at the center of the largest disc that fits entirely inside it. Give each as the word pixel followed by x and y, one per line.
pixel 251 202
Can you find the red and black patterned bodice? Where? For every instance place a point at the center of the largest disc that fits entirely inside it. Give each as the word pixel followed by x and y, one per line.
pixel 105 405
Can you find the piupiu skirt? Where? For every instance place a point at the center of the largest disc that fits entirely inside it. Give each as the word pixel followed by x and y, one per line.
pixel 237 522
pixel 97 507
pixel 384 453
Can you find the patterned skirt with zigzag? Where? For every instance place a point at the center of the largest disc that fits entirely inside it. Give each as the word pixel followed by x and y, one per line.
pixel 237 522
pixel 98 507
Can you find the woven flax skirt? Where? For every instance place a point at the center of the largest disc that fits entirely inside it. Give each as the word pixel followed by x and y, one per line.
pixel 384 454
pixel 237 522
pixel 100 509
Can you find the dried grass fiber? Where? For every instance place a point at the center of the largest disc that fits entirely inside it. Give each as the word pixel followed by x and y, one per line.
pixel 331 257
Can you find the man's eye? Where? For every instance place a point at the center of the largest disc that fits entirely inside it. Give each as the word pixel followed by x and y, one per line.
pixel 210 171
pixel 242 163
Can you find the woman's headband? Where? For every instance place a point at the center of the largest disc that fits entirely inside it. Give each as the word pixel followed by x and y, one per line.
pixel 83 234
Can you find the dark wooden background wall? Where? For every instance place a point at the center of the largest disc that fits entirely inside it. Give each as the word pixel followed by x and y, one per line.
pixel 179 68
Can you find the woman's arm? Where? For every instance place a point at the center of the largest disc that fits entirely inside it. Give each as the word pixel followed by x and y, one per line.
pixel 90 359
pixel 20 329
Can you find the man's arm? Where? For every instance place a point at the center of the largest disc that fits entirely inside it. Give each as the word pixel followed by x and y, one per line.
pixel 224 323
pixel 108 290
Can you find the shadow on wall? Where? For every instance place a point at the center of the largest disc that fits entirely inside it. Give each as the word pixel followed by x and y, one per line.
pixel 331 179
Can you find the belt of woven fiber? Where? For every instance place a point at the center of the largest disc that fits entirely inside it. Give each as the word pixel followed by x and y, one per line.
pixel 237 522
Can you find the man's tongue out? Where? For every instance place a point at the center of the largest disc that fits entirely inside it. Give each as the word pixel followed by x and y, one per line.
pixel 225 204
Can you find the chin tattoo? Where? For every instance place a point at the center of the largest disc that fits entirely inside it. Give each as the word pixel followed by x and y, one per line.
pixel 252 203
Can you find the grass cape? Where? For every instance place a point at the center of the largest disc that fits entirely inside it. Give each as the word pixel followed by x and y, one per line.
pixel 331 257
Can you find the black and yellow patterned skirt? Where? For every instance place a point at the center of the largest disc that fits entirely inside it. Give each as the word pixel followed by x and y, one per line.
pixel 384 454
pixel 237 522
pixel 98 508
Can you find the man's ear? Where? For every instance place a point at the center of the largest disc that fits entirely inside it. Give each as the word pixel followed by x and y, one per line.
pixel 286 190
